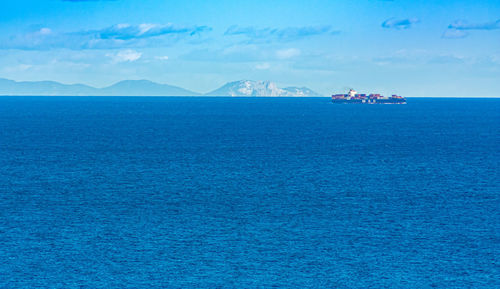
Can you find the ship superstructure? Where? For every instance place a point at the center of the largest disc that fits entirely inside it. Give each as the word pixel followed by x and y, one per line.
pixel 354 97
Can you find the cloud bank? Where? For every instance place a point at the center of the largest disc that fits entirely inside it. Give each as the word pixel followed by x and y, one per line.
pixel 399 23
pixel 128 32
pixel 253 34
pixel 459 28
pixel 115 36
pixel 462 25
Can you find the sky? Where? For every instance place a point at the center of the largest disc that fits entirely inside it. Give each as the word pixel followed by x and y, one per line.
pixel 408 47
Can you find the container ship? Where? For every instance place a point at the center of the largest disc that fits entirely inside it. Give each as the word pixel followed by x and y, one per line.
pixel 354 97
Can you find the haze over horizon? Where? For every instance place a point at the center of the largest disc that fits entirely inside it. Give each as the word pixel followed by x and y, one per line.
pixel 425 48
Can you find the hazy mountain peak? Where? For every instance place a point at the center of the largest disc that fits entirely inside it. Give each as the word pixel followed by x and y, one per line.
pixel 259 88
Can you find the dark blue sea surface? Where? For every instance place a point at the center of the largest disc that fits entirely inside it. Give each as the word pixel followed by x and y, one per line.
pixel 110 192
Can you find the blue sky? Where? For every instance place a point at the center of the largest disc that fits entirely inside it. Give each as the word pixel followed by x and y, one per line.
pixel 409 47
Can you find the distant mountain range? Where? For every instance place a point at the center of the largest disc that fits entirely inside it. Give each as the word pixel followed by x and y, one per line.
pixel 147 88
pixel 122 88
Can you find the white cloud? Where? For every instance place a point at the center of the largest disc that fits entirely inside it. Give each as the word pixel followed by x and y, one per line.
pixel 454 34
pixel 45 31
pixel 495 59
pixel 288 53
pixel 18 68
pixel 145 27
pixel 263 66
pixel 24 67
pixel 128 55
pixel 164 58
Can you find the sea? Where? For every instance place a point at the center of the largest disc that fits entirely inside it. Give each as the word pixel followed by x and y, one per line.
pixel 145 192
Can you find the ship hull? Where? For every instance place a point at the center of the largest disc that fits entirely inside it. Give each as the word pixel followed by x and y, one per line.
pixel 370 101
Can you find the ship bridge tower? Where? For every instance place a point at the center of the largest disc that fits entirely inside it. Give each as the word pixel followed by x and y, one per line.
pixel 352 93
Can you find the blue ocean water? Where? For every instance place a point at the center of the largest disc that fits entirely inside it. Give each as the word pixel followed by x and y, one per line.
pixel 248 193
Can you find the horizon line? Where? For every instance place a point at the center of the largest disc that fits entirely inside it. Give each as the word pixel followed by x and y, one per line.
pixel 200 93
